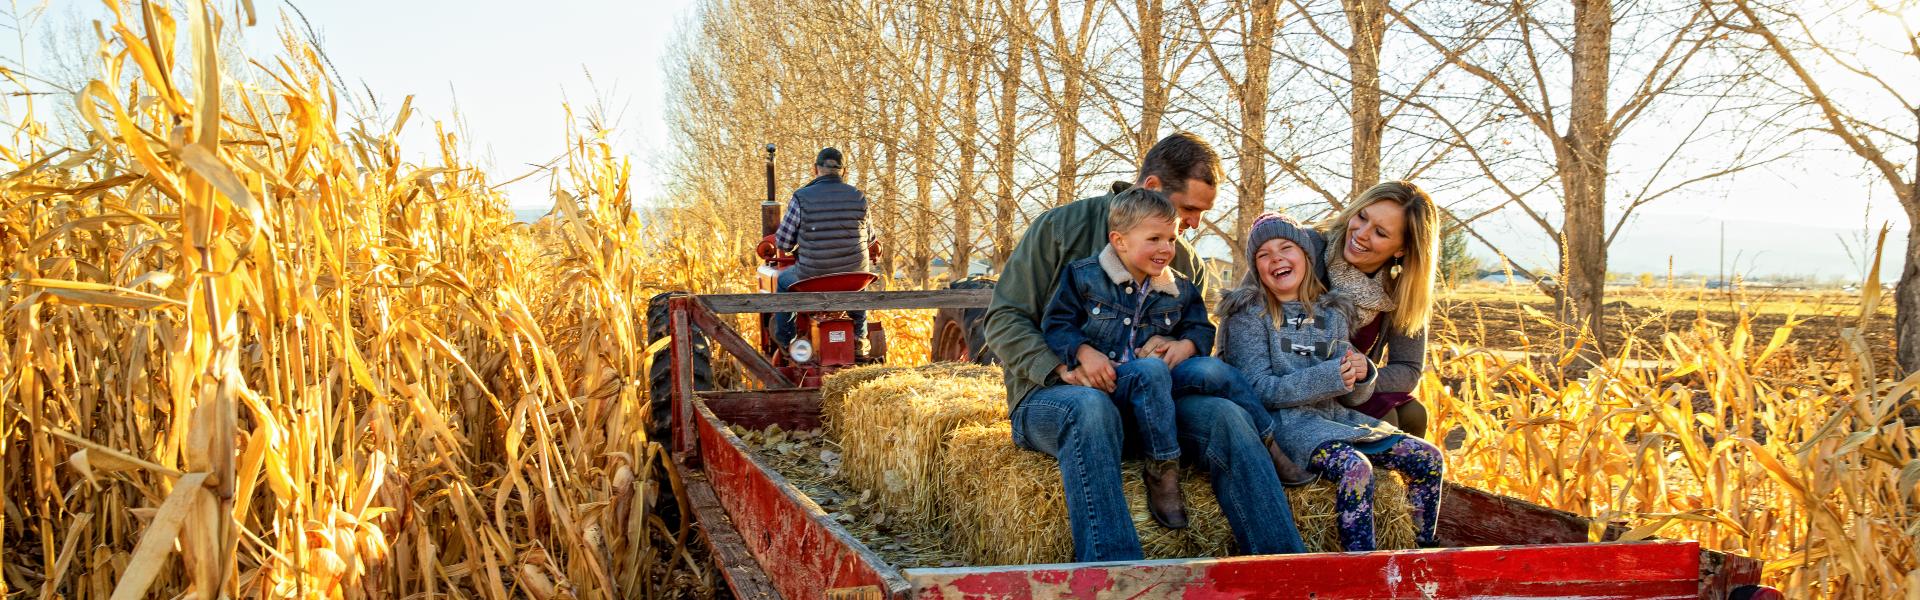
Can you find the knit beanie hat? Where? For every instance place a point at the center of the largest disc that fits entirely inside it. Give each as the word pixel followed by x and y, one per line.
pixel 1272 225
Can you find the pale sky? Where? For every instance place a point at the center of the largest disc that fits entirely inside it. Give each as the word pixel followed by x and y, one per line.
pixel 510 65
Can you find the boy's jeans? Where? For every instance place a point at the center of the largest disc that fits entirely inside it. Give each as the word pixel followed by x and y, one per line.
pixel 1081 428
pixel 1144 387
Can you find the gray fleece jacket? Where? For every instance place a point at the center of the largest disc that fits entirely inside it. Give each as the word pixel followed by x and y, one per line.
pixel 1295 370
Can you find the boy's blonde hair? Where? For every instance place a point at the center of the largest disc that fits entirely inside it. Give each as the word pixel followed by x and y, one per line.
pixel 1136 205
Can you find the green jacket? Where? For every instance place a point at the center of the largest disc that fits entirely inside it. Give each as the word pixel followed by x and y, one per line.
pixel 1057 237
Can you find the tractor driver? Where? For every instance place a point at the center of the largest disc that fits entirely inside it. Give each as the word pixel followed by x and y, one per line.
pixel 826 231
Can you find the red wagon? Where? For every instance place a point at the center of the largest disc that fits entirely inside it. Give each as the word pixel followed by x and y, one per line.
pixel 772 541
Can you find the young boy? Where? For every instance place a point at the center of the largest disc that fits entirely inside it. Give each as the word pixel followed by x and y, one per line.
pixel 1106 307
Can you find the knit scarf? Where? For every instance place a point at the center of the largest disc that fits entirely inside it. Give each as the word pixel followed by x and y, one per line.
pixel 1367 293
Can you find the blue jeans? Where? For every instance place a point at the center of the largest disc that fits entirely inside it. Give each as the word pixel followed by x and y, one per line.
pixel 1081 428
pixel 1209 376
pixel 783 322
pixel 1144 386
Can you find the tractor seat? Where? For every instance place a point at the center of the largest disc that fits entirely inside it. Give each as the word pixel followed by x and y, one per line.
pixel 835 282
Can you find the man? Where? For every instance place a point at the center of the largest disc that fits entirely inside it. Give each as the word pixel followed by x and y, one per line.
pixel 826 230
pixel 1079 426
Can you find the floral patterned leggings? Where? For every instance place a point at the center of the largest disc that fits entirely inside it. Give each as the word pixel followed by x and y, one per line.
pixel 1352 472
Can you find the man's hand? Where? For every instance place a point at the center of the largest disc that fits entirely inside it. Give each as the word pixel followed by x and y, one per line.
pixel 1070 376
pixel 1095 369
pixel 1168 349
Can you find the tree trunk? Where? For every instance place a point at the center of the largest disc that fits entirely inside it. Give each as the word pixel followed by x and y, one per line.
pixel 923 158
pixel 1006 208
pixel 1906 294
pixel 1367 19
pixel 929 100
pixel 888 206
pixel 1067 121
pixel 1153 84
pixel 1254 90
pixel 1583 171
pixel 1066 114
pixel 968 141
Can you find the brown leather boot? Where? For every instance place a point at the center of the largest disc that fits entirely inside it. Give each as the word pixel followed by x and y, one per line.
pixel 1165 501
pixel 1291 475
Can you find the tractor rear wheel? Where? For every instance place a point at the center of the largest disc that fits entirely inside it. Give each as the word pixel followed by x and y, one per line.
pixel 660 371
pixel 960 334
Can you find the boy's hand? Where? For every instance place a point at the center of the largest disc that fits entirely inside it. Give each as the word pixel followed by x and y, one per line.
pixel 1095 369
pixel 1168 349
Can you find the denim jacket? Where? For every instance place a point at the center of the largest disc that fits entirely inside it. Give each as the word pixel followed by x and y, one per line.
pixel 1098 303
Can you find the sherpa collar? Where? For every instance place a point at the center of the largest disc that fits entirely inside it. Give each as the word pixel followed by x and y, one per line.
pixel 1117 271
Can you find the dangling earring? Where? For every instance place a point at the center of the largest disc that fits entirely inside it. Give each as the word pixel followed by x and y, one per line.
pixel 1395 269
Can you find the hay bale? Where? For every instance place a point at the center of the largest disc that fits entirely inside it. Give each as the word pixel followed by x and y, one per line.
pixel 1004 505
pixel 1207 532
pixel 1313 514
pixel 891 429
pixel 963 369
pixel 834 389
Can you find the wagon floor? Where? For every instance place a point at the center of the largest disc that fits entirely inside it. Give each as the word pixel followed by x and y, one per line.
pixel 811 461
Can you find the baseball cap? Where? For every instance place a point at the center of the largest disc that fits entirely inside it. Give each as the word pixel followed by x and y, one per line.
pixel 829 157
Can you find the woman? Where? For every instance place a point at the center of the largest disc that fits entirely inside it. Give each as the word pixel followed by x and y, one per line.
pixel 1381 253
pixel 1290 339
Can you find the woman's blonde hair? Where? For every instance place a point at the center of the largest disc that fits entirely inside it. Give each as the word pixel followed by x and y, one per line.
pixel 1412 286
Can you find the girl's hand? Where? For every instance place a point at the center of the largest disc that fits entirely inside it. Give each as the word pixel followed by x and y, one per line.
pixel 1353 368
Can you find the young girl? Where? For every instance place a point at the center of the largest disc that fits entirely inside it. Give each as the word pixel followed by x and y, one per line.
pixel 1290 340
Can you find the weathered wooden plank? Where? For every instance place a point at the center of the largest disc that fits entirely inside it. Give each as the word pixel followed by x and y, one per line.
pixel 684 437
pixel 737 345
pixel 806 553
pixel 791 409
pixel 1471 517
pixel 1588 571
pixel 821 301
pixel 724 544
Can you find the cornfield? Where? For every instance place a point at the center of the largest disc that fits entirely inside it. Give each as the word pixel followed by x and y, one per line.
pixel 241 329
pixel 1760 447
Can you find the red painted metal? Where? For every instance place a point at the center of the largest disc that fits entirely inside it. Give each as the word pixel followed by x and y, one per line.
pixel 805 552
pixel 1588 571
pixel 835 282
pixel 834 344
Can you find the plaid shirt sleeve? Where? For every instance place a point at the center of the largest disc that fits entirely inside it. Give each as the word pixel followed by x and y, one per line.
pixel 787 237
